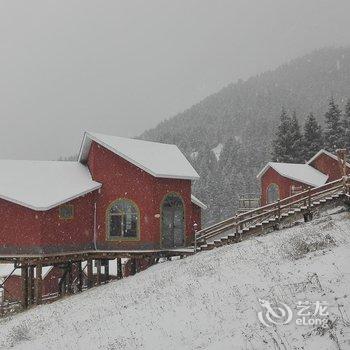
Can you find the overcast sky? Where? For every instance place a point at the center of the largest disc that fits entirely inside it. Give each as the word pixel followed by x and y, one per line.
pixel 120 67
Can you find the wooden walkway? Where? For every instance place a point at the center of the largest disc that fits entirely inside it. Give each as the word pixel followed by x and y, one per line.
pixel 273 216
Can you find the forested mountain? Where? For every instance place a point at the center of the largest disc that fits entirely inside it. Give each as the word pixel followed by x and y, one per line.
pixel 240 121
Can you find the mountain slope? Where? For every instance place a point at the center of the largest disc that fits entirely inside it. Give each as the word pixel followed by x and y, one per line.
pixel 243 116
pixel 207 301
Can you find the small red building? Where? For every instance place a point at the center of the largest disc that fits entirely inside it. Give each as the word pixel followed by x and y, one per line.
pixel 122 194
pixel 12 282
pixel 281 180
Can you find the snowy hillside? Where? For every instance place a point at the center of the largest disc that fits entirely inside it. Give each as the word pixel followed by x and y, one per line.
pixel 208 301
pixel 242 118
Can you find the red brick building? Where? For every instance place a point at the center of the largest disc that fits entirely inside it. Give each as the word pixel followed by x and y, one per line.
pixel 281 180
pixel 121 194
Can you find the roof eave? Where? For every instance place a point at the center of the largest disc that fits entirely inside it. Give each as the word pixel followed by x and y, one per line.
pixel 197 202
pixel 56 204
pixel 263 170
pixel 120 154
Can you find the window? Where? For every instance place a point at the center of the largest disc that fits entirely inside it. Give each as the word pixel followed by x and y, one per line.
pixel 66 212
pixel 272 193
pixel 123 219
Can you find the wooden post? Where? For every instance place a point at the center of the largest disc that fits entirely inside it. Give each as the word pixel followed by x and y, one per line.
pixel 119 269
pixel 31 285
pixel 90 277
pixel 24 279
pixel 106 271
pixel 236 233
pixel 279 210
pixel 309 197
pixel 39 284
pixel 80 276
pixel 69 278
pixel 98 275
pixel 133 266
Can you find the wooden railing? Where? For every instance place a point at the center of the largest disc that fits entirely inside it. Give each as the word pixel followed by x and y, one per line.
pixel 300 200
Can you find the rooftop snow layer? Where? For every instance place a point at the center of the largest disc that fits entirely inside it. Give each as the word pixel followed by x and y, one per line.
pixel 329 154
pixel 158 159
pixel 299 172
pixel 42 185
pixel 196 201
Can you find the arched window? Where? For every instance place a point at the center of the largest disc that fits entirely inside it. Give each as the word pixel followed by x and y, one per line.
pixel 123 219
pixel 273 194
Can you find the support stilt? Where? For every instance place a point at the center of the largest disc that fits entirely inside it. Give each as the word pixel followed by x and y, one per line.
pixel 79 276
pixel 119 269
pixel 24 275
pixel 31 285
pixel 133 266
pixel 106 271
pixel 90 277
pixel 98 275
pixel 39 284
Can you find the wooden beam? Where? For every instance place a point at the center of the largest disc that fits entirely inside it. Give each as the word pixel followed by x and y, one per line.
pixel 24 280
pixel 31 285
pixel 106 271
pixel 90 277
pixel 133 267
pixel 98 268
pixel 119 269
pixel 39 284
pixel 80 276
pixel 69 278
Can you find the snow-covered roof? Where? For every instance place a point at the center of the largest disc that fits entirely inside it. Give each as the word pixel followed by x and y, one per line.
pixel 42 185
pixel 299 172
pixel 196 201
pixel 158 159
pixel 329 154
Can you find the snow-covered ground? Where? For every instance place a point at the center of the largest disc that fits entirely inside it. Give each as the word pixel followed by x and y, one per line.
pixel 208 301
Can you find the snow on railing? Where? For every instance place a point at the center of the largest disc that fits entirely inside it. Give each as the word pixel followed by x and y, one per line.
pixel 305 198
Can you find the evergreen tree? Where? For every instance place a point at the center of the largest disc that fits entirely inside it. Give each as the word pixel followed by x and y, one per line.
pixel 312 138
pixel 296 141
pixel 334 132
pixel 287 139
pixel 346 125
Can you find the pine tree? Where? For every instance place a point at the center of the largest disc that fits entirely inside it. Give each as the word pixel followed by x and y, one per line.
pixel 286 140
pixel 296 141
pixel 346 125
pixel 334 132
pixel 312 138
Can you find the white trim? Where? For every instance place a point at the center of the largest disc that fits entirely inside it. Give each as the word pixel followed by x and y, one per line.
pixel 83 149
pixel 197 202
pixel 263 170
pixel 33 207
pixel 329 154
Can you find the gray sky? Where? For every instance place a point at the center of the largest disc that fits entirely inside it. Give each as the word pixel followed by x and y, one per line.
pixel 120 67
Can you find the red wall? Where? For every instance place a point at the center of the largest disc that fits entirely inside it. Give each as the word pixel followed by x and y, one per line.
pixel 24 230
pixel 121 179
pixel 327 165
pixel 20 228
pixel 74 234
pixel 284 184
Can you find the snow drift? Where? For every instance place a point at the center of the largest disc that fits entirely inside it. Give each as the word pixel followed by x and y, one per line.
pixel 208 301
